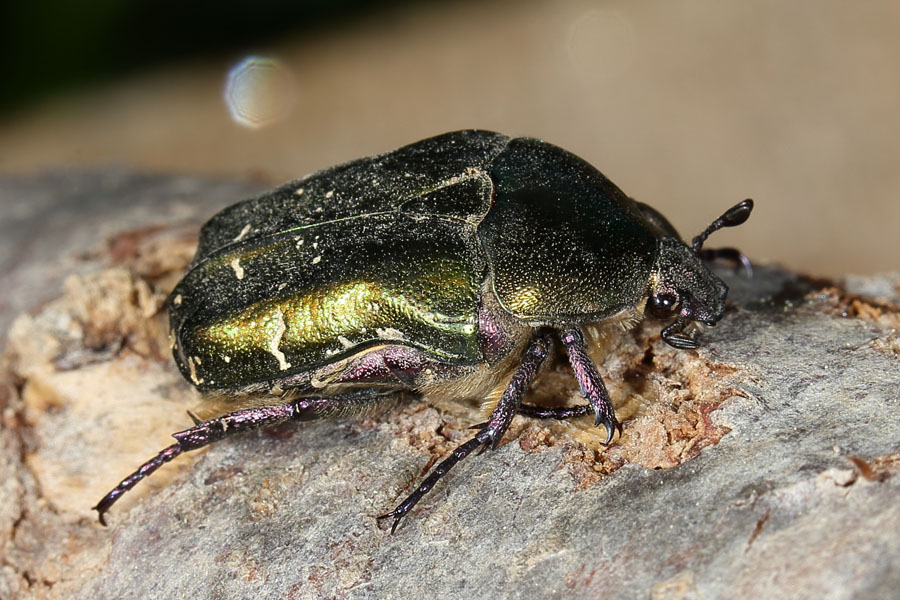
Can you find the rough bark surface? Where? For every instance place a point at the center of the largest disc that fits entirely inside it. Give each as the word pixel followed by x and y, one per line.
pixel 762 465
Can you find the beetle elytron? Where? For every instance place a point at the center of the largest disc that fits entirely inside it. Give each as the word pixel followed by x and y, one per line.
pixel 452 266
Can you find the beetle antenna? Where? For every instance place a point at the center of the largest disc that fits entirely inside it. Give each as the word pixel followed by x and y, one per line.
pixel 735 215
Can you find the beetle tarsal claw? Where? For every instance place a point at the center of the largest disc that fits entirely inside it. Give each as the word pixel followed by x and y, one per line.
pixel 610 431
pixel 492 439
pixel 101 514
pixel 612 426
pixel 395 514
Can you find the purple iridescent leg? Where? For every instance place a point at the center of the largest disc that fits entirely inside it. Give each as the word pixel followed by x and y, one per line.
pixel 589 381
pixel 207 432
pixel 490 433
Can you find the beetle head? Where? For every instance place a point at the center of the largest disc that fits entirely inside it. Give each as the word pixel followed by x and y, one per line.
pixel 683 285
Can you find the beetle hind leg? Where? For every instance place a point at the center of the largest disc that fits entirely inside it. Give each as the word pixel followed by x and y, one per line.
pixel 204 433
pixel 129 482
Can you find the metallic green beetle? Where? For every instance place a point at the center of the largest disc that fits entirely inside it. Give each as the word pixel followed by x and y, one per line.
pixel 450 267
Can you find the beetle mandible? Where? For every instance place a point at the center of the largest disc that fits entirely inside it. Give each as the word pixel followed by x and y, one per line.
pixel 452 267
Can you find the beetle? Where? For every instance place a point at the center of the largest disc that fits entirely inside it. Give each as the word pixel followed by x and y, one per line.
pixel 450 267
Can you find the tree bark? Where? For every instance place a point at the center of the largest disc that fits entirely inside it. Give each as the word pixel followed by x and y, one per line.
pixel 761 465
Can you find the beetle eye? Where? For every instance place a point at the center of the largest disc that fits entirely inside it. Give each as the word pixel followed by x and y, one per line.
pixel 662 306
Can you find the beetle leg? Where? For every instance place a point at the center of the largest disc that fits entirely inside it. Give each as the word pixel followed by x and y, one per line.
pixel 491 432
pixel 589 381
pixel 733 255
pixel 545 412
pixel 129 482
pixel 557 412
pixel 673 335
pixel 213 430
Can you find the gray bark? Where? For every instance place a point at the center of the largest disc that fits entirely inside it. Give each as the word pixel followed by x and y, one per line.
pixel 762 465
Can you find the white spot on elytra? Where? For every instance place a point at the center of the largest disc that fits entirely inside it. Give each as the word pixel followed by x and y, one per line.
pixel 243 232
pixel 389 333
pixel 316 260
pixel 299 191
pixel 315 245
pixel 329 193
pixel 283 364
pixel 281 286
pixel 227 358
pixel 345 342
pixel 193 370
pixel 177 300
pixel 238 269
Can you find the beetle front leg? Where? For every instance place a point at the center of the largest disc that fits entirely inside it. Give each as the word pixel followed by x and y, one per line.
pixel 589 381
pixel 213 430
pixel 490 433
pixel 555 412
pixel 732 255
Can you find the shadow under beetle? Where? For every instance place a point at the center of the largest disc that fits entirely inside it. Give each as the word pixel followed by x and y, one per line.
pixel 451 267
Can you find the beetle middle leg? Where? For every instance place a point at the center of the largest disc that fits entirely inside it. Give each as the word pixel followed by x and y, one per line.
pixel 491 432
pixel 206 432
pixel 591 385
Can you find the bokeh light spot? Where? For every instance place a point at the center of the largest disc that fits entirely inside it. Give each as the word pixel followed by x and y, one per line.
pixel 259 91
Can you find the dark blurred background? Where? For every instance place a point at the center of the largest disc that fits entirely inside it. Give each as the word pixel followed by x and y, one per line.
pixel 689 105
